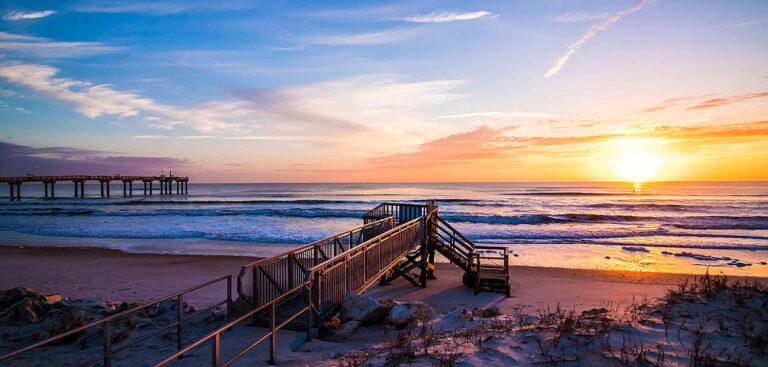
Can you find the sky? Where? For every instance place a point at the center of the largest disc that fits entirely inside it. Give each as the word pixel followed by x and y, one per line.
pixel 369 91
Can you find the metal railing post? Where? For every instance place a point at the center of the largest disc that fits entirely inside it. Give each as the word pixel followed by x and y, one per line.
pixel 108 343
pixel 180 319
pixel 229 298
pixel 309 308
pixel 215 351
pixel 273 337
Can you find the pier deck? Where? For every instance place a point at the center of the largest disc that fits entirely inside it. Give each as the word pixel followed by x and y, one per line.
pixel 166 184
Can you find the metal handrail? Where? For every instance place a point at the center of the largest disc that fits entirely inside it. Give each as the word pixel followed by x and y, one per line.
pixel 215 335
pixel 106 322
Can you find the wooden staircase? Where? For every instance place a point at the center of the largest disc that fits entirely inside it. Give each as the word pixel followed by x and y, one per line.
pixel 485 267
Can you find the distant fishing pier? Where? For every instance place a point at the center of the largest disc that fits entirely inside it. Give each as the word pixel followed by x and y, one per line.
pixel 166 184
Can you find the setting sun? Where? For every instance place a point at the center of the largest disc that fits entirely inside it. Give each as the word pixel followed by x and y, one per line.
pixel 637 166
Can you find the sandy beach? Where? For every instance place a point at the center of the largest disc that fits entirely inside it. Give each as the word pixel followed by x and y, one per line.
pixel 114 275
pixel 118 276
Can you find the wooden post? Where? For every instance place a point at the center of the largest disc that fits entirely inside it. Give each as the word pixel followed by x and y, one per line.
pixel 108 343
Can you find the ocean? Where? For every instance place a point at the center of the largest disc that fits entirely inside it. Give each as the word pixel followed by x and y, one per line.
pixel 660 227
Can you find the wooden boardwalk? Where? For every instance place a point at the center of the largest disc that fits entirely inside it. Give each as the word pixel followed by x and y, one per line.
pixel 305 287
pixel 166 184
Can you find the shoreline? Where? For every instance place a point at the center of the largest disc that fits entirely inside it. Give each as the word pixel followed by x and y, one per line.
pixel 639 257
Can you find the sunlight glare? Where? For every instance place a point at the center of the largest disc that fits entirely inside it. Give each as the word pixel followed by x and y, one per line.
pixel 637 166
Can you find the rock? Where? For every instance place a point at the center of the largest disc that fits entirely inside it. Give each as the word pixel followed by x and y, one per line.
pixel 334 323
pixel 362 308
pixel 486 312
pixel 403 314
pixel 345 331
pixel 27 309
pixel 60 320
pixel 53 298
pixel 454 320
pixel 14 295
pixel 594 312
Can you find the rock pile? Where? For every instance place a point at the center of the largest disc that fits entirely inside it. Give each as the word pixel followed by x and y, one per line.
pixel 361 310
pixel 26 316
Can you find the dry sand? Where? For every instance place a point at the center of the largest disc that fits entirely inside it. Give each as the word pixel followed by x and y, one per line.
pixel 114 275
pixel 99 273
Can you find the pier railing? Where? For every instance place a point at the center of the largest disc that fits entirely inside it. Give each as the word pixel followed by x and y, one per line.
pixel 105 324
pixel 16 179
pixel 274 276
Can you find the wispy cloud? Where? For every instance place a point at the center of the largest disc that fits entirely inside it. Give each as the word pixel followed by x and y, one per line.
pixel 747 23
pixel 372 38
pixel 27 15
pixel 722 101
pixel 160 7
pixel 181 137
pixel 271 137
pixel 447 17
pixel 44 47
pixel 597 27
pixel 498 114
pixel 94 100
pixel 703 102
pixel 360 103
pixel 579 16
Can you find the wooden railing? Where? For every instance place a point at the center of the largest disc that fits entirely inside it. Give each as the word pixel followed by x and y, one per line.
pixel 274 276
pixel 401 212
pixel 359 268
pixel 323 290
pixel 106 323
pixel 458 249
pixel 491 263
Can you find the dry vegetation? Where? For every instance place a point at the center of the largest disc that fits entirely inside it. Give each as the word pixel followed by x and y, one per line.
pixel 707 321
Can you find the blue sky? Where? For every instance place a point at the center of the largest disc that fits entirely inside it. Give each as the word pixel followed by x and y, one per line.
pixel 355 91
